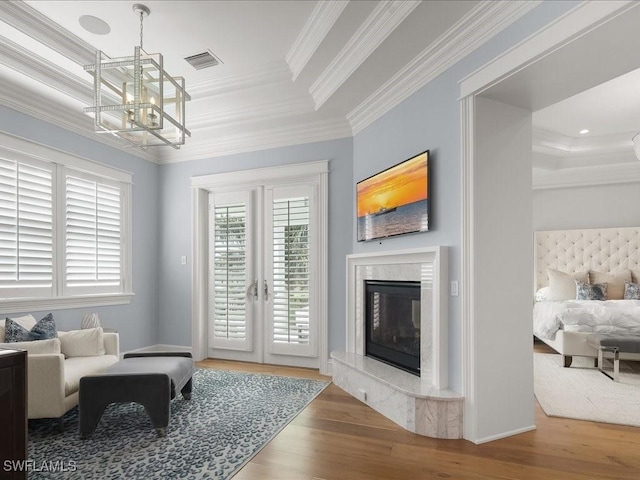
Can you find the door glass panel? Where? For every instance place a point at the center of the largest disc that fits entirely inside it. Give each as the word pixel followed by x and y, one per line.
pixel 229 286
pixel 291 271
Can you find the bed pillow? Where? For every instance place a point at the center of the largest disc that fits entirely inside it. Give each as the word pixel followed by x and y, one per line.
pixel 615 283
pixel 28 321
pixel 562 286
pixel 82 343
pixel 51 345
pixel 542 295
pixel 591 291
pixel 631 291
pixel 44 329
pixel 635 276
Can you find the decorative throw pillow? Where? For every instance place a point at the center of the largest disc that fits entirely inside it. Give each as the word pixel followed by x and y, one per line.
pixel 51 345
pixel 591 291
pixel 42 330
pixel 615 283
pixel 562 285
pixel 631 291
pixel 88 342
pixel 27 322
pixel 542 295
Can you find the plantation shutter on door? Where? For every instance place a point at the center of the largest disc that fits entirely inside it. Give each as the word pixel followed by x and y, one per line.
pixel 229 270
pixel 26 229
pixel 291 271
pixel 92 236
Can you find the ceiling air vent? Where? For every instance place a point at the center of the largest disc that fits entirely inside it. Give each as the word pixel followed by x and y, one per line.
pixel 202 60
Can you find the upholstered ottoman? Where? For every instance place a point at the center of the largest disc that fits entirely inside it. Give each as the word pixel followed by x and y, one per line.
pixel 151 379
pixel 615 346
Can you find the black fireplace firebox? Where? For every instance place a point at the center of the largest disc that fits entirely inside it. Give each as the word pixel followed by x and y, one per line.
pixel 392 323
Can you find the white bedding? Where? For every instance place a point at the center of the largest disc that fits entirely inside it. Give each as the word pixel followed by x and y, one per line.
pixel 590 316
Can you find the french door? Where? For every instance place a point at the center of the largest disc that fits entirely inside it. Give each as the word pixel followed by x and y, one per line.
pixel 262 274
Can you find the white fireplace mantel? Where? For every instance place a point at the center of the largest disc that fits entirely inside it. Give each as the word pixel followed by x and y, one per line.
pixel 420 404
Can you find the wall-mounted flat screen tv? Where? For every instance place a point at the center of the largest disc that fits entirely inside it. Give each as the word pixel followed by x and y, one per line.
pixel 394 201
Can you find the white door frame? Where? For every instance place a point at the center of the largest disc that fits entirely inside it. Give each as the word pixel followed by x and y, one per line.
pixel 580 20
pixel 200 188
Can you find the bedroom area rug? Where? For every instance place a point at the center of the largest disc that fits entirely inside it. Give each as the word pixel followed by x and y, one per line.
pixel 582 392
pixel 229 419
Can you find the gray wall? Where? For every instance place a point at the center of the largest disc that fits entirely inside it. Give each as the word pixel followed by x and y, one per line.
pixel 136 322
pixel 430 119
pixel 597 206
pixel 176 230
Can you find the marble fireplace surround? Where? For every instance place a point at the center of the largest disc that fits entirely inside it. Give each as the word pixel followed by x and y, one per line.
pixel 421 404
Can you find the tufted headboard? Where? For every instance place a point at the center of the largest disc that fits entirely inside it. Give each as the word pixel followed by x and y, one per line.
pixel 602 249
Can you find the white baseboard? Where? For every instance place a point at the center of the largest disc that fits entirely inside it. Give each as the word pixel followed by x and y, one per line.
pixel 505 434
pixel 159 348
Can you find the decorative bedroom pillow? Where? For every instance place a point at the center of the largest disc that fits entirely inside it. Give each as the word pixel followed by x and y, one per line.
pixel 88 342
pixel 631 291
pixel 51 345
pixel 542 295
pixel 591 291
pixel 27 321
pixel 44 329
pixel 562 286
pixel 615 283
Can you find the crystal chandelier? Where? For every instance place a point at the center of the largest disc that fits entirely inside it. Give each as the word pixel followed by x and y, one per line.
pixel 136 99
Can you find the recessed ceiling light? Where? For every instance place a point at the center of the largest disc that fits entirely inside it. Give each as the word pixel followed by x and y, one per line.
pixel 94 25
pixel 584 131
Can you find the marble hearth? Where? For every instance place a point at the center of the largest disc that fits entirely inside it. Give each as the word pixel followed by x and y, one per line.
pixel 423 404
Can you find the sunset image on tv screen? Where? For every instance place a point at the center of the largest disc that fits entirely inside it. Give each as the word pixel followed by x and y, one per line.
pixel 394 201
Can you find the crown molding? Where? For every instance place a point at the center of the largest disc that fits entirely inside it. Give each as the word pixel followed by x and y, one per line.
pixel 587 176
pixel 479 25
pixel 274 72
pixel 44 71
pixel 314 31
pixel 267 111
pixel 287 135
pixel 558 145
pixel 35 105
pixel 30 21
pixel 384 19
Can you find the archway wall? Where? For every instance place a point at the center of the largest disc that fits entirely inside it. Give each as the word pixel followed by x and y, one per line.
pixel 496 107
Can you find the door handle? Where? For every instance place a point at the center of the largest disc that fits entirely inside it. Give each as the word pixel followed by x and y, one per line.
pixel 253 288
pixel 266 291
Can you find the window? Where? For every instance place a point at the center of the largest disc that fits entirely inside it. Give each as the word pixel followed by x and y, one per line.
pixel 64 232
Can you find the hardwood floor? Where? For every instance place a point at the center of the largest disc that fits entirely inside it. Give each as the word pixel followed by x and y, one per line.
pixel 337 437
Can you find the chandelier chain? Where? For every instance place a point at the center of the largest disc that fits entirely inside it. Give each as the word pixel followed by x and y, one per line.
pixel 141 28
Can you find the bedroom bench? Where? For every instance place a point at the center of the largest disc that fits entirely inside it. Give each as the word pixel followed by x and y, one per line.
pixel 615 346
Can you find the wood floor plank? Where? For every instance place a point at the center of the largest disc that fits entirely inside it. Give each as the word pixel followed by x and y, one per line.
pixel 338 437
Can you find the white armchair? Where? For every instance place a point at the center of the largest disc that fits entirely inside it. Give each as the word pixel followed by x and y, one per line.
pixel 53 380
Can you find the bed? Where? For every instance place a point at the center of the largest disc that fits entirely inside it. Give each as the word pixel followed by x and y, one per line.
pixel 592 256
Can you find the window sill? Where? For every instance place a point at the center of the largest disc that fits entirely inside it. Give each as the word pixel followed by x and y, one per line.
pixel 27 305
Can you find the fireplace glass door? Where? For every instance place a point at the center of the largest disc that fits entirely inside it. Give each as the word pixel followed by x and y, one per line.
pixel 392 313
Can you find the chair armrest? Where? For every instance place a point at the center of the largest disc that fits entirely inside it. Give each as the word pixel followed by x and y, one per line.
pixel 112 344
pixel 45 383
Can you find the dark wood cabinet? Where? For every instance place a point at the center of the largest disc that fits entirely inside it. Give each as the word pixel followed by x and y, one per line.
pixel 13 413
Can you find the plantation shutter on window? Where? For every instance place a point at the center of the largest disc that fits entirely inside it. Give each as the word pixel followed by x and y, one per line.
pixel 26 232
pixel 229 272
pixel 93 236
pixel 291 277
